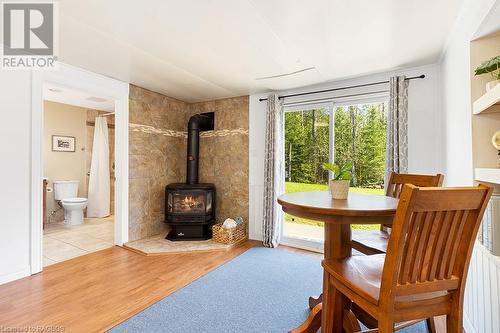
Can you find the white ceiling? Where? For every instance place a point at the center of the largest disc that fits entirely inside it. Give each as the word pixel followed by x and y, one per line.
pixel 491 24
pixel 197 50
pixel 60 94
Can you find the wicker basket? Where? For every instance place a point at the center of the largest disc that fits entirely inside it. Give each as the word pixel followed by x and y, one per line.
pixel 229 236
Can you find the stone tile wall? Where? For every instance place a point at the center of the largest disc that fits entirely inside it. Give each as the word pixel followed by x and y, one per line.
pixel 157 156
pixel 224 154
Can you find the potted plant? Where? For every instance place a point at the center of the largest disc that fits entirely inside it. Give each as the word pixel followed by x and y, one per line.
pixel 341 179
pixel 491 66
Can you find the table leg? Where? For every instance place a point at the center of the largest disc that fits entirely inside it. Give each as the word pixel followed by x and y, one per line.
pixel 312 323
pixel 337 246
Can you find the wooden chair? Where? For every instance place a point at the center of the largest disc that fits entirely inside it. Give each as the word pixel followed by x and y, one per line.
pixel 424 271
pixel 375 241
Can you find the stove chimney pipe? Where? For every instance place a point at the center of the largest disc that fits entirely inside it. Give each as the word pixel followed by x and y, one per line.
pixel 197 123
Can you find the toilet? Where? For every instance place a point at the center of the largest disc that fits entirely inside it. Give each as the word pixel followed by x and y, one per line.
pixel 65 192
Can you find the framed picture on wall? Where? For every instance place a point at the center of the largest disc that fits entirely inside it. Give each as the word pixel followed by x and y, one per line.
pixel 63 143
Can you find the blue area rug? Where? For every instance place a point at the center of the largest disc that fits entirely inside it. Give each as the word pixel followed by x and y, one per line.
pixel 262 290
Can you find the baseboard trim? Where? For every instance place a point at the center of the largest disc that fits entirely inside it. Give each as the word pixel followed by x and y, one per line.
pixel 24 272
pixel 468 325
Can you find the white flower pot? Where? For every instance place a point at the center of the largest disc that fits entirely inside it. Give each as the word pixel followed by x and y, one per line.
pixel 490 85
pixel 339 189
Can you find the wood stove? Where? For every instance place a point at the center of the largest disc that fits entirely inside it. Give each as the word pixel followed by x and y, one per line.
pixel 190 206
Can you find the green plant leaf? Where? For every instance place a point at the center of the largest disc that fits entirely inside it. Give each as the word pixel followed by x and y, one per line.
pixel 489 66
pixel 331 167
pixel 346 175
pixel 342 172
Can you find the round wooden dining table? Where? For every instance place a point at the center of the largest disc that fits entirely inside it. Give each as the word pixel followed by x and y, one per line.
pixel 338 215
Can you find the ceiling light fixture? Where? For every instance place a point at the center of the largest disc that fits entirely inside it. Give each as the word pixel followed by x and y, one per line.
pixel 285 74
pixel 55 90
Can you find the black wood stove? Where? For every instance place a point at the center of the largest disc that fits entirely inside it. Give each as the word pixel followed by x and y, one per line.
pixel 190 206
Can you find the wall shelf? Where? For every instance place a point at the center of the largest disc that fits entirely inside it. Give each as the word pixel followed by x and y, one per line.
pixel 489 175
pixel 489 102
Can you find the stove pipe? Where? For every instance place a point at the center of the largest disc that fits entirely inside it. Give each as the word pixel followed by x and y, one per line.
pixel 197 123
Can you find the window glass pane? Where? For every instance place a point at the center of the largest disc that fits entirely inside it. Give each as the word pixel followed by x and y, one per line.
pixel 306 146
pixel 306 149
pixel 360 139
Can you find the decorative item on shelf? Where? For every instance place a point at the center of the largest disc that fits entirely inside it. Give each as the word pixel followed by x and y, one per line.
pixel 231 231
pixel 491 66
pixel 495 141
pixel 341 179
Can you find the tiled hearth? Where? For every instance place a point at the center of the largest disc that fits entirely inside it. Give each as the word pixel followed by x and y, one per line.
pixel 156 245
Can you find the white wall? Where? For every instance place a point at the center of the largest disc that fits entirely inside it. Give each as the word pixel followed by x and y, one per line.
pixel 424 125
pixel 15 168
pixel 455 79
pixel 257 130
pixel 481 310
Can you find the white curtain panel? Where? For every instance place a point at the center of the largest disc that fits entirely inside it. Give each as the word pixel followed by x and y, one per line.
pixel 273 172
pixel 397 127
pixel 99 183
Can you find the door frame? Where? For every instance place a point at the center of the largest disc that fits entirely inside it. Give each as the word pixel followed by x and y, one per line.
pixel 97 85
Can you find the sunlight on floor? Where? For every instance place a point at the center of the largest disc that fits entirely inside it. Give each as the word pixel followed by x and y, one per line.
pixel 62 242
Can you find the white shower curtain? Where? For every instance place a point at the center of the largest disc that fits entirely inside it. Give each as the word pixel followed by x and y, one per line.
pixel 99 186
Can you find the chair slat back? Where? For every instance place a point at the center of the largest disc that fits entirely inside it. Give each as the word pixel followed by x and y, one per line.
pixel 432 238
pixel 397 180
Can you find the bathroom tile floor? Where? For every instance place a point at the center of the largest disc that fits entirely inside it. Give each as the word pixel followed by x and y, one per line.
pixel 62 242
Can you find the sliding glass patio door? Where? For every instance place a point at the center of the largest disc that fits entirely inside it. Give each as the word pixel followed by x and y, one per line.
pixel 352 132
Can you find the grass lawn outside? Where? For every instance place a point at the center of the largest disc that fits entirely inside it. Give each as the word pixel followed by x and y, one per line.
pixel 301 187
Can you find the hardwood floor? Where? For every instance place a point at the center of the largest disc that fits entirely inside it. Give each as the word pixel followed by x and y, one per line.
pixel 93 293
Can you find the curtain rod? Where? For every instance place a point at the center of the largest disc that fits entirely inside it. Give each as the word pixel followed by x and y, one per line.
pixel 92 123
pixel 326 99
pixel 106 114
pixel 341 88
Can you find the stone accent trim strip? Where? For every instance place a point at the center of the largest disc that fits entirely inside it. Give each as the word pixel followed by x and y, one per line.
pixel 224 132
pixel 154 130
pixel 183 134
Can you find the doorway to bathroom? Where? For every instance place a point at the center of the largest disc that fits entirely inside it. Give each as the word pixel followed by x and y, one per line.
pixel 78 169
pixel 79 203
